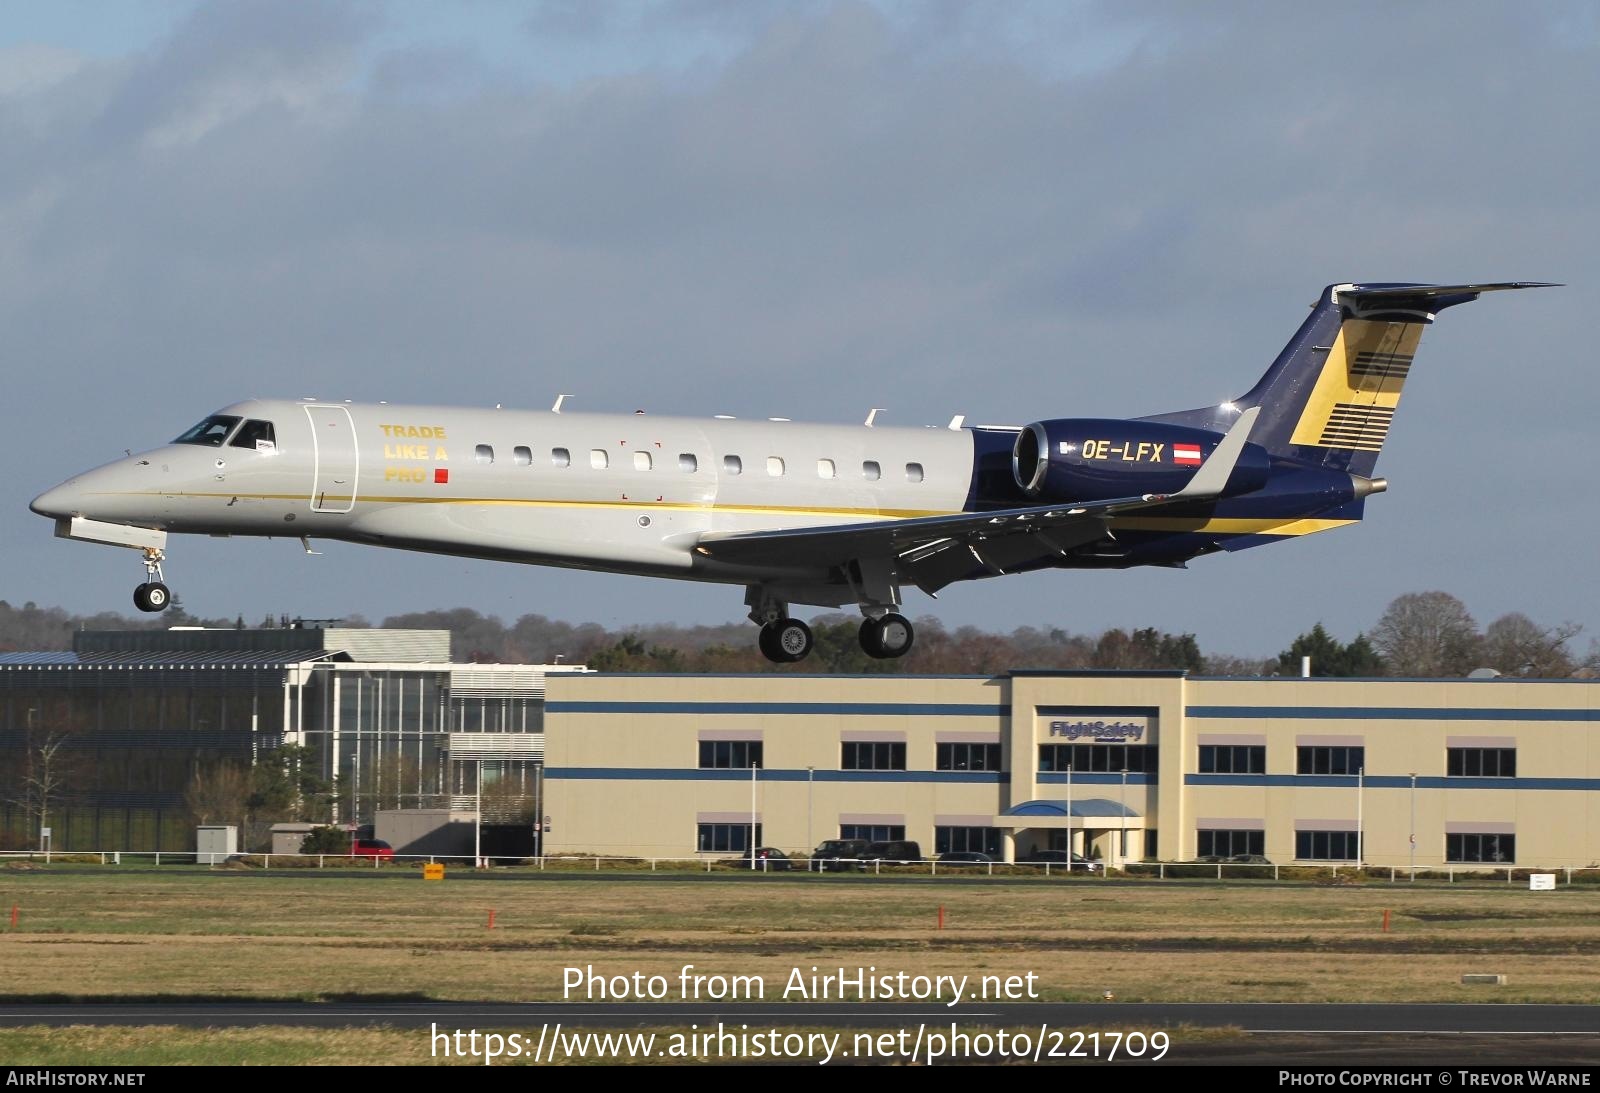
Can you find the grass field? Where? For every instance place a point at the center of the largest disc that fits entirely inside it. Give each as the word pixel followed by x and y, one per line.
pixel 199 935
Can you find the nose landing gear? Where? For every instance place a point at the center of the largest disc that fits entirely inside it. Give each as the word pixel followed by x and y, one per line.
pixel 153 595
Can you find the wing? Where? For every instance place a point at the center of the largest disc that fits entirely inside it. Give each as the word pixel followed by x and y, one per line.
pixel 994 539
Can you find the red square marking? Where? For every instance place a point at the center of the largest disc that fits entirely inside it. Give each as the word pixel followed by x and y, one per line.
pixel 441 475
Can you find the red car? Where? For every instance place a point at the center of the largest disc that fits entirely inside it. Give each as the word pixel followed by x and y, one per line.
pixel 371 848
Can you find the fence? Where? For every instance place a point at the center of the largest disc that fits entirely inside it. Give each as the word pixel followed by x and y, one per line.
pixel 1160 871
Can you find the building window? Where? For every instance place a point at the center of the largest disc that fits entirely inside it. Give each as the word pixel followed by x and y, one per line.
pixel 1327 845
pixel 732 464
pixel 775 466
pixel 967 757
pixel 825 468
pixel 1480 848
pixel 1481 763
pixel 1228 844
pixel 1318 760
pixel 1150 844
pixel 641 461
pixel 725 838
pixel 560 457
pixel 1100 758
pixel 955 840
pixel 873 833
pixel 484 453
pixel 913 472
pixel 687 463
pixel 1233 759
pixel 873 755
pixel 522 455
pixel 871 471
pixel 730 754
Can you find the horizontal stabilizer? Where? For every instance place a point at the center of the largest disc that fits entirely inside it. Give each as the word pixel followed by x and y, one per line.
pixel 1365 300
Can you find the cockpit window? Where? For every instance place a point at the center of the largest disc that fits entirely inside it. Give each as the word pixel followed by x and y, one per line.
pixel 211 432
pixel 257 435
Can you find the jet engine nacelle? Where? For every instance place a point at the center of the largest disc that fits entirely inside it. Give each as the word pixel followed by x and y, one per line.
pixel 1091 459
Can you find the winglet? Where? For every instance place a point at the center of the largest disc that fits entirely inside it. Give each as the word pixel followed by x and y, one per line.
pixel 1213 475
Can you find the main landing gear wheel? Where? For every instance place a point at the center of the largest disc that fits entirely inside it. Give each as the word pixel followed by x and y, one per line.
pixel 887 638
pixel 785 641
pixel 152 596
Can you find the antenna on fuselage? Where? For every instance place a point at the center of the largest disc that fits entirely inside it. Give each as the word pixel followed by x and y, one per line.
pixel 872 415
pixel 556 409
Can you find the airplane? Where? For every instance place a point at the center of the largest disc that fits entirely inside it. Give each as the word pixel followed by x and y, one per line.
pixel 824 515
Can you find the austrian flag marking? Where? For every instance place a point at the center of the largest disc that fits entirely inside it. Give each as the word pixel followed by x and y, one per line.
pixel 1186 455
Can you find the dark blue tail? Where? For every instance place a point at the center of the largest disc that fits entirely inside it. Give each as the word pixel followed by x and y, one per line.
pixel 1330 396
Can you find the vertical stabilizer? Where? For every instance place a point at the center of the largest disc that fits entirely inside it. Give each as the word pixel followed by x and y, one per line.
pixel 1330 396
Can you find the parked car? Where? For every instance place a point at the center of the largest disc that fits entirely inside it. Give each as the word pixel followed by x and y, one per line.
pixel 371 848
pixel 768 858
pixel 1071 859
pixel 838 855
pixel 894 850
pixel 1250 859
pixel 965 857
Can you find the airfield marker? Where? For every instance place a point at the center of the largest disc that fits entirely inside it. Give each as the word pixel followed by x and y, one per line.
pixel 1386 920
pixel 13 916
pixel 491 918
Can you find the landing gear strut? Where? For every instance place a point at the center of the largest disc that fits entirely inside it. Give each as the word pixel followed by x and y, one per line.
pixel 152 596
pixel 887 637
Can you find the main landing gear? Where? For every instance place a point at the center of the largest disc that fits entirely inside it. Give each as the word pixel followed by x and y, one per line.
pixel 785 640
pixel 153 595
pixel 887 637
pixel 782 640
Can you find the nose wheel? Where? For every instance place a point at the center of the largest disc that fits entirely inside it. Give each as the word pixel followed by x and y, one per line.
pixel 153 595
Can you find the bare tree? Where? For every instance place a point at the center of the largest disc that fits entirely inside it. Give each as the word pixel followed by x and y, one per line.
pixel 1515 645
pixel 218 793
pixel 48 769
pixel 1427 634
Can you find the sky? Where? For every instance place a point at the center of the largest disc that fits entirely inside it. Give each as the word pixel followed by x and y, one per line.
pixel 1004 210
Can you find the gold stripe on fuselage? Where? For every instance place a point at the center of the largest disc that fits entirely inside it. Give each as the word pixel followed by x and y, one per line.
pixel 1176 524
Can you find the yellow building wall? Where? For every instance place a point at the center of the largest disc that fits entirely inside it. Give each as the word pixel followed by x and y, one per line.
pixel 623 753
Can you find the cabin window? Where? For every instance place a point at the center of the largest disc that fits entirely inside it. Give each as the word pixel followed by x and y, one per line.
pixel 257 435
pixel 871 471
pixel 641 461
pixel 687 463
pixel 560 457
pixel 484 453
pixel 825 468
pixel 774 466
pixel 598 459
pixel 522 455
pixel 211 432
pixel 732 464
pixel 913 472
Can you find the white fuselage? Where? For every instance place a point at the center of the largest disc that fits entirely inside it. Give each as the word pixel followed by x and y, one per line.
pixel 627 493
